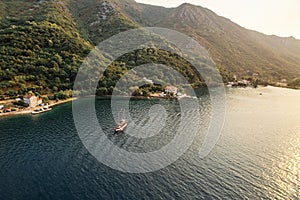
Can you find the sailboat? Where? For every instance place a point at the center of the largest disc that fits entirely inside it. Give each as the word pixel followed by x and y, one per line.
pixel 121 125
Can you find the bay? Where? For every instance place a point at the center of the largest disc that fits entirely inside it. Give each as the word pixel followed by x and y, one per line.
pixel 257 156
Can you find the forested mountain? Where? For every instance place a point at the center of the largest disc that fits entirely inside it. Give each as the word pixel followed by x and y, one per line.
pixel 40 47
pixel 43 43
pixel 241 51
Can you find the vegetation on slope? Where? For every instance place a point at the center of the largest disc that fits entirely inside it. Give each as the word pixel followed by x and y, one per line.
pixel 40 48
pixel 43 43
pixel 233 48
pixel 99 19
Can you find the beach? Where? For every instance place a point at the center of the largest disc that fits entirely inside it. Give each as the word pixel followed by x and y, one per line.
pixel 29 110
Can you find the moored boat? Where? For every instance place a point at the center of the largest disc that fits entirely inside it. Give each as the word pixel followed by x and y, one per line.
pixel 40 110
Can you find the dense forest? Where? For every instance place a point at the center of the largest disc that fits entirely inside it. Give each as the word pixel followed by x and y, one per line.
pixel 42 55
pixel 39 51
pixel 43 44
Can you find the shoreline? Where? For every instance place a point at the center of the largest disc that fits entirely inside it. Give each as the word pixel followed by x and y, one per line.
pixel 108 97
pixel 62 102
pixel 29 110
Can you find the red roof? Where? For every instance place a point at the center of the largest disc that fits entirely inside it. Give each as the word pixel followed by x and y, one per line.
pixel 171 88
pixel 27 96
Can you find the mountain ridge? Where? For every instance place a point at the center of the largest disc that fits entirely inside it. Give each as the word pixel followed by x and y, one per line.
pixel 43 42
pixel 215 30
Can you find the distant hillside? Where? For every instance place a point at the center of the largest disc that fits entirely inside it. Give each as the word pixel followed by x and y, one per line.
pixel 241 51
pixel 43 42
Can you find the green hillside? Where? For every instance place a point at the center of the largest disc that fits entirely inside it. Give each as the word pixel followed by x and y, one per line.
pixel 232 47
pixel 43 43
pixel 40 48
pixel 98 19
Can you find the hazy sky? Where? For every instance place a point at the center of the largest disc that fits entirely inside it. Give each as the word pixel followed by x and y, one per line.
pixel 279 17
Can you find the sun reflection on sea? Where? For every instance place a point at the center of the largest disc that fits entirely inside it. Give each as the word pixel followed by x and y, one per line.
pixel 284 175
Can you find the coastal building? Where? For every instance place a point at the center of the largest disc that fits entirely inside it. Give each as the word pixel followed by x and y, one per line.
pixel 171 89
pixel 235 78
pixel 243 83
pixel 282 83
pixel 32 101
pixel 6 110
pixel 149 81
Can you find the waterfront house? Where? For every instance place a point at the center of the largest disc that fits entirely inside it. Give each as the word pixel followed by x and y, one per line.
pixel 6 110
pixel 171 89
pixel 282 83
pixel 32 101
pixel 149 81
pixel 243 83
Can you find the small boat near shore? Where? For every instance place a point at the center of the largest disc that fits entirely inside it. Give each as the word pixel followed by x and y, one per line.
pixel 40 110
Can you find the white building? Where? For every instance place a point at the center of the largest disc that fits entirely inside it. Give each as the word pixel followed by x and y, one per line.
pixel 149 81
pixel 171 89
pixel 32 101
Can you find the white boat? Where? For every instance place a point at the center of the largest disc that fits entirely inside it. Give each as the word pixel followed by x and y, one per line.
pixel 120 127
pixel 121 124
pixel 40 110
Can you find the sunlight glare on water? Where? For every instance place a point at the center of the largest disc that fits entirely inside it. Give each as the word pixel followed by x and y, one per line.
pixel 257 156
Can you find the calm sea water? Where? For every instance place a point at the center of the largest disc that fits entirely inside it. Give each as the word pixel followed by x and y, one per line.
pixel 257 156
